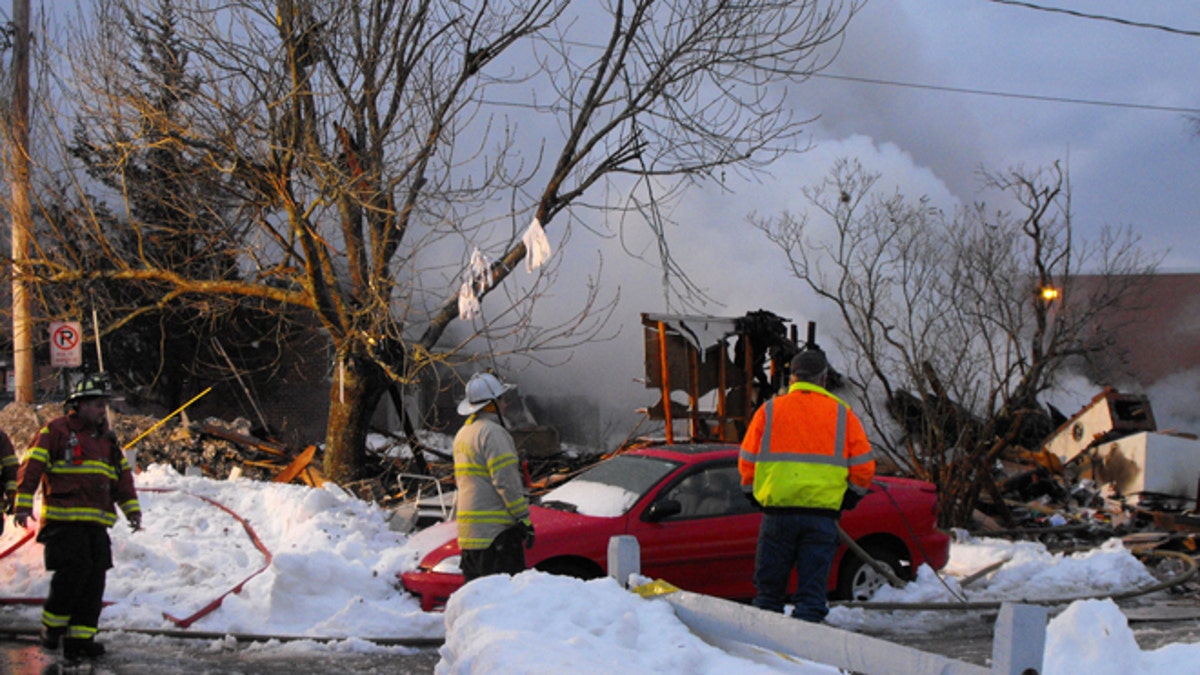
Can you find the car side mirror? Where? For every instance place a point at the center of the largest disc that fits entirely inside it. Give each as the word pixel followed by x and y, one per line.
pixel 663 508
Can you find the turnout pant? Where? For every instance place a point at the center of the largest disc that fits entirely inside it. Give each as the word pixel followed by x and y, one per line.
pixel 79 556
pixel 506 555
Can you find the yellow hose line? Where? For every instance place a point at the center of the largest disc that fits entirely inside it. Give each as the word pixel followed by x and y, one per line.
pixel 159 423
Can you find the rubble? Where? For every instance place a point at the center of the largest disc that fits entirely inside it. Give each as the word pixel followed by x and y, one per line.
pixel 1106 472
pixel 215 448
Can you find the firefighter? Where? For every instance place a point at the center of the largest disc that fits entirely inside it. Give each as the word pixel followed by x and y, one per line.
pixel 492 511
pixel 804 459
pixel 82 473
pixel 8 475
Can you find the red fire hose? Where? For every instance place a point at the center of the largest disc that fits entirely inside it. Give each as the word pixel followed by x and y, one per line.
pixel 203 611
pixel 29 534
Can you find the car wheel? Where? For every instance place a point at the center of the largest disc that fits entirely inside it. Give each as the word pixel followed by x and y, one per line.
pixel 570 568
pixel 858 581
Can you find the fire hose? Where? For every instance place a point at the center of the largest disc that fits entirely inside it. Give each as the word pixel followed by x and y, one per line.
pixel 203 611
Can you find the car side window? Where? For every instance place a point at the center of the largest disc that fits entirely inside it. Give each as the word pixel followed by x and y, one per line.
pixel 712 491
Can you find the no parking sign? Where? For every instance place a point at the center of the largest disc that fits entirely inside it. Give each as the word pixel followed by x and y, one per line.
pixel 65 349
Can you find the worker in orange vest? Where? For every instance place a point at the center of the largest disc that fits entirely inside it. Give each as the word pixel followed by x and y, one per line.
pixel 804 459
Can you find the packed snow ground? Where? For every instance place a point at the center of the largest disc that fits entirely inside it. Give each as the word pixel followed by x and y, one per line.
pixel 333 569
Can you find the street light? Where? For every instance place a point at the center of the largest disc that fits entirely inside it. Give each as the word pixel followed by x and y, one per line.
pixel 1048 293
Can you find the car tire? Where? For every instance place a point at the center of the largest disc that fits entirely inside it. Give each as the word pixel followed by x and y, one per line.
pixel 858 581
pixel 569 568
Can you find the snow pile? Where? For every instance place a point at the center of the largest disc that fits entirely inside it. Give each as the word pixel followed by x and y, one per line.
pixel 1030 573
pixel 332 570
pixel 538 623
pixel 1093 637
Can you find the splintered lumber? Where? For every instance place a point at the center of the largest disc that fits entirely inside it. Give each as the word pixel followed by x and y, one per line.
pixel 277 449
pixel 312 476
pixel 261 464
pixel 299 464
pixel 976 576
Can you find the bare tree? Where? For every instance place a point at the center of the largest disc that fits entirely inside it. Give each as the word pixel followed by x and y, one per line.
pixel 956 324
pixel 367 151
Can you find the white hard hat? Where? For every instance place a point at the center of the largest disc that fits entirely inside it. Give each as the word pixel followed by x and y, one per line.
pixel 482 388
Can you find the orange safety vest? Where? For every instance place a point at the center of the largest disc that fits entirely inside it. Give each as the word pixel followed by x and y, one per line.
pixel 804 449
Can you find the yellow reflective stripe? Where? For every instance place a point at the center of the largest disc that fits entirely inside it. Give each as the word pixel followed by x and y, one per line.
pixel 484 517
pixel 38 454
pixel 24 499
pixel 78 514
pixel 55 620
pixel 471 470
pixel 517 505
pixel 502 462
pixel 9 460
pixel 473 543
pixel 131 506
pixel 81 632
pixel 10 485
pixel 86 467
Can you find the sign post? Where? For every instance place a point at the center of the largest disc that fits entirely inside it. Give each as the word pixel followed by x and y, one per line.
pixel 65 348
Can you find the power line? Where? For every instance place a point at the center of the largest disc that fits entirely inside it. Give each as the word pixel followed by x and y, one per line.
pixel 1098 17
pixel 1002 94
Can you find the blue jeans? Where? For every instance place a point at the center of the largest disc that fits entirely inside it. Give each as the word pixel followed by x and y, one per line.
pixel 806 542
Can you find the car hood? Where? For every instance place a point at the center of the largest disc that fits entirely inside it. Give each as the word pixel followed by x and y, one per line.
pixel 434 538
pixel 553 528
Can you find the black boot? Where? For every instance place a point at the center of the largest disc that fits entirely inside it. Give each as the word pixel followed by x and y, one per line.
pixel 75 649
pixel 51 636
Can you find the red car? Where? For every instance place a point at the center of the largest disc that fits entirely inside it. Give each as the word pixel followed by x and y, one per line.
pixel 694 527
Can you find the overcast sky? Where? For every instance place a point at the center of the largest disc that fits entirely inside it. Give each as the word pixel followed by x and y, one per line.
pixel 1130 164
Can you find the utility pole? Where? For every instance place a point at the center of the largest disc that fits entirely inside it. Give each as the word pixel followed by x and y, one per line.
pixel 22 212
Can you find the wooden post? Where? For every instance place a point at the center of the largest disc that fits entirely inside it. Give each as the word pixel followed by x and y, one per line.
pixel 664 369
pixel 722 385
pixel 22 211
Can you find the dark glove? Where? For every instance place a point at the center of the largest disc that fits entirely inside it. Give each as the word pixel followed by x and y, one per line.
pixel 754 502
pixel 851 499
pixel 22 520
pixel 10 499
pixel 135 521
pixel 527 532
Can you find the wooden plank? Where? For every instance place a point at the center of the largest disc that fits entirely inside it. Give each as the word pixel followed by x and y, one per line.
pixel 262 464
pixel 726 624
pixel 1161 613
pixel 313 476
pixel 976 576
pixel 242 439
pixel 299 464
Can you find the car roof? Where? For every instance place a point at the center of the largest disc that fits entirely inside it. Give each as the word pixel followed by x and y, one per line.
pixel 688 453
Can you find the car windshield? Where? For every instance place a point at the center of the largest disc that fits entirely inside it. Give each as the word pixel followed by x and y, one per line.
pixel 610 488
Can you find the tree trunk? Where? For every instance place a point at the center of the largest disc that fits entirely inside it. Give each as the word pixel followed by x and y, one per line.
pixel 358 385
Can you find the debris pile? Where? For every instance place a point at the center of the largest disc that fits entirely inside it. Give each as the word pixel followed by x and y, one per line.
pixel 1107 471
pixel 214 448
